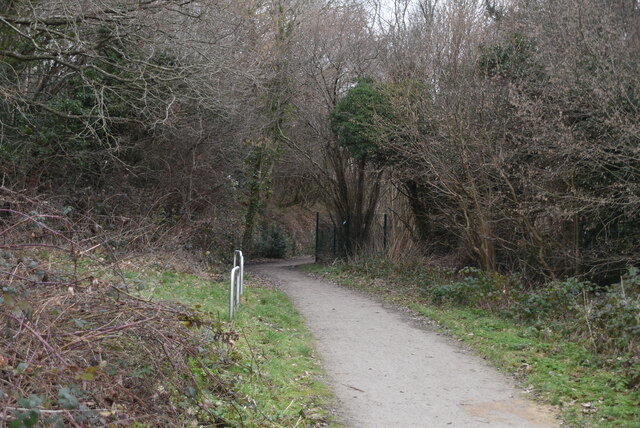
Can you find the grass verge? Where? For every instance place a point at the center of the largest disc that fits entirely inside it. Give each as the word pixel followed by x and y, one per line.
pixel 86 346
pixel 275 371
pixel 590 390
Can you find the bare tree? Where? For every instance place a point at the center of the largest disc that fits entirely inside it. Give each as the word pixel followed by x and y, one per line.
pixel 331 59
pixel 514 124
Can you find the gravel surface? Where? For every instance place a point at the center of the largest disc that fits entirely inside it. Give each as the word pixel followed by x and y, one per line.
pixel 387 371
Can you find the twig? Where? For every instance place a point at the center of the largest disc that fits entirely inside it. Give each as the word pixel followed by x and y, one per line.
pixel 253 356
pixel 287 408
pixel 353 387
pixel 16 246
pixel 106 331
pixel 71 419
pixel 40 338
pixel 44 226
pixel 12 275
pixel 23 409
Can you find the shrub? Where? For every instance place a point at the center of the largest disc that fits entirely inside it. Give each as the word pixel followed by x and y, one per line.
pixel 612 318
pixel 475 288
pixel 273 244
pixel 609 318
pixel 559 299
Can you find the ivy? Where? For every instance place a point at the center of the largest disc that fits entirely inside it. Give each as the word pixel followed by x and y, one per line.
pixel 356 119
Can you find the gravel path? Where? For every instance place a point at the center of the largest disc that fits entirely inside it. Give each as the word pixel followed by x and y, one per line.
pixel 387 372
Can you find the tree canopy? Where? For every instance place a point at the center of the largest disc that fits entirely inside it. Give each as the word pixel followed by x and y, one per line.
pixel 356 117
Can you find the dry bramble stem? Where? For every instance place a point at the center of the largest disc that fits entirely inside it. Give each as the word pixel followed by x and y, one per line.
pixel 37 335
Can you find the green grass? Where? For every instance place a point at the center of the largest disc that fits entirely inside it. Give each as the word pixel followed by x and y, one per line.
pixel 276 373
pixel 558 371
pixel 272 368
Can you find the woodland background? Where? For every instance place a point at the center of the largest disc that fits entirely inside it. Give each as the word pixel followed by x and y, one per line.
pixel 497 134
pixel 142 139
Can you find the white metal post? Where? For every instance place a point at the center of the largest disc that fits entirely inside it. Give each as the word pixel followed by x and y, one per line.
pixel 233 299
pixel 241 274
pixel 237 282
pixel 238 260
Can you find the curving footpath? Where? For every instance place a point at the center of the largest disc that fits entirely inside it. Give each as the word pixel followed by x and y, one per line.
pixel 386 372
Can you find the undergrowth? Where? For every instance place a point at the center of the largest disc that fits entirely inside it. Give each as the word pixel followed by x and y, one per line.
pixel 571 343
pixel 90 339
pixel 82 350
pixel 152 348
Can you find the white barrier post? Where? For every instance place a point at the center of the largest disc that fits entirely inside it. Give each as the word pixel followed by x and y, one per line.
pixel 241 273
pixel 237 282
pixel 238 260
pixel 233 300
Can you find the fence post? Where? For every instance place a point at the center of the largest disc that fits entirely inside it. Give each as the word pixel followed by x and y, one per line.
pixel 334 241
pixel 317 234
pixel 347 244
pixel 385 232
